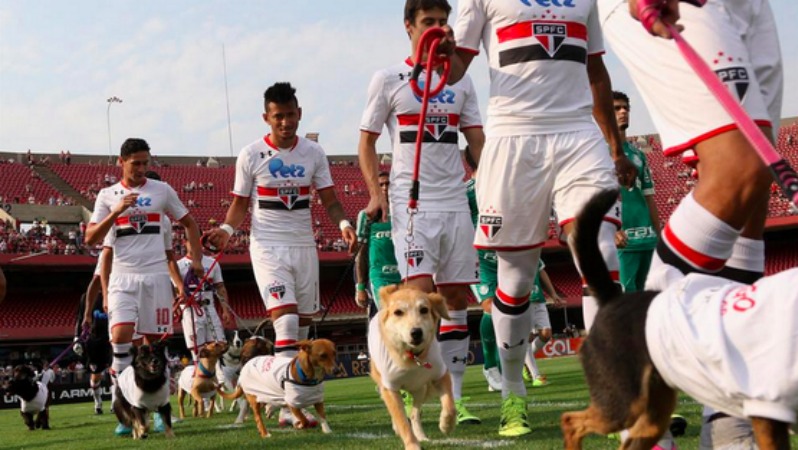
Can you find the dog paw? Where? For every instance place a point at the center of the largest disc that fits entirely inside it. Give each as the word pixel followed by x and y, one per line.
pixel 413 446
pixel 325 428
pixel 447 423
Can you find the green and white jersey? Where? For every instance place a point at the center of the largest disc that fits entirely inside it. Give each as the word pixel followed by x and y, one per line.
pixel 382 260
pixel 536 296
pixel 471 194
pixel 635 217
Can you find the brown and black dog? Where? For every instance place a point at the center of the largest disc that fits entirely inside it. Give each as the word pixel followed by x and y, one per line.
pixel 200 381
pixel 405 354
pixel 33 397
pixel 627 391
pixel 296 382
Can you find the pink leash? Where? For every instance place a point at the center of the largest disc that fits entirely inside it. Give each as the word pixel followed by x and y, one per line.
pixel 648 12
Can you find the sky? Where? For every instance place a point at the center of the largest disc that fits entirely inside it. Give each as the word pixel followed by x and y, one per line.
pixel 61 60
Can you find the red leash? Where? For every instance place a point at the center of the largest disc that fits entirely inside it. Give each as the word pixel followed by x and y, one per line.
pixel 428 43
pixel 787 179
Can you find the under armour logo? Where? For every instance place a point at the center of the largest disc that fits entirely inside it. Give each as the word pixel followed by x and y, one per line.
pixel 456 360
pixel 508 346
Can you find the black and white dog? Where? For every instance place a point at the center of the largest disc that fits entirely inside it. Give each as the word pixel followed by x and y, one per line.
pixel 227 370
pixel 32 397
pixel 144 387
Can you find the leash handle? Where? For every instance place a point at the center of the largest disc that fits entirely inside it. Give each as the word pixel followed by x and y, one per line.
pixel 428 43
pixel 783 173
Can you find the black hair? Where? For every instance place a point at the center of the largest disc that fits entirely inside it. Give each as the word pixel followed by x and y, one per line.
pixel 280 93
pixel 383 174
pixel 618 95
pixel 133 145
pixel 412 7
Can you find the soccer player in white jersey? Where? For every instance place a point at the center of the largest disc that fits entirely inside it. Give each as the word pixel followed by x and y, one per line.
pixel 439 253
pixel 718 228
pixel 549 89
pixel 139 291
pixel 275 174
pixel 201 325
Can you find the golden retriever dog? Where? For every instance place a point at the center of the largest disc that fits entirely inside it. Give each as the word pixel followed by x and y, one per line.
pixel 200 381
pixel 296 382
pixel 405 355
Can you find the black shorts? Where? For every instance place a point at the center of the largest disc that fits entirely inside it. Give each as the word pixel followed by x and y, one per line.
pixel 98 355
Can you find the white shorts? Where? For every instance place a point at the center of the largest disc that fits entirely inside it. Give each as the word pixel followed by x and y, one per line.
pixel 737 38
pixel 522 177
pixel 209 327
pixel 540 317
pixel 141 300
pixel 441 246
pixel 287 276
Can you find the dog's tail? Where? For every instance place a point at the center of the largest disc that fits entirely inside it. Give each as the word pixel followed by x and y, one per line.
pixel 238 392
pixel 261 327
pixel 585 240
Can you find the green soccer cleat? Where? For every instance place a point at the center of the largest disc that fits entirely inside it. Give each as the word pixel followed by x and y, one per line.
pixel 122 430
pixel 514 420
pixel 540 381
pixel 408 399
pixel 463 415
pixel 527 374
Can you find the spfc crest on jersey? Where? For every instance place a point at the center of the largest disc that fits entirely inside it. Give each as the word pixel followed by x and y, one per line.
pixel 550 35
pixel 137 221
pixel 277 291
pixel 288 195
pixel 490 225
pixel 436 125
pixel 414 257
pixel 736 79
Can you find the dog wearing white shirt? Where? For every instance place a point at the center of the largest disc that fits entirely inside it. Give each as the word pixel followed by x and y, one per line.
pixel 405 355
pixel 32 397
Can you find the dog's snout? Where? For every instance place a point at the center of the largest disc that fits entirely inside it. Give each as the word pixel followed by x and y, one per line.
pixel 417 334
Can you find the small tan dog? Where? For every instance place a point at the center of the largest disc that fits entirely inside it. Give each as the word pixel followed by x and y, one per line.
pixel 200 381
pixel 296 382
pixel 406 355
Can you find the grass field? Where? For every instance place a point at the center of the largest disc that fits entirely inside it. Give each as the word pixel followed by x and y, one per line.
pixel 356 415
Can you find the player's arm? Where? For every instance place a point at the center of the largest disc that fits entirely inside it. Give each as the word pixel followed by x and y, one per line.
pixel 107 256
pixel 475 138
pixel 335 211
pixel 548 288
pixel 369 166
pixel 193 236
pixel 653 212
pixel 92 291
pixel 96 231
pixel 603 112
pixel 174 274
pixel 221 293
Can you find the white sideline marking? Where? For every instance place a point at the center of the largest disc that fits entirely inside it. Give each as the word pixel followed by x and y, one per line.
pixel 475 443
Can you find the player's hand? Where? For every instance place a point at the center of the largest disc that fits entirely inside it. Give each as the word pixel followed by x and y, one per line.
pixel 215 240
pixel 655 14
pixel 361 299
pixel 377 209
pixel 558 302
pixel 77 347
pixel 447 45
pixel 126 202
pixel 620 239
pixel 625 171
pixel 350 237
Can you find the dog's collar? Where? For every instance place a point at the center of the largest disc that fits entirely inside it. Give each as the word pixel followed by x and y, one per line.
pixel 416 360
pixel 204 372
pixel 303 380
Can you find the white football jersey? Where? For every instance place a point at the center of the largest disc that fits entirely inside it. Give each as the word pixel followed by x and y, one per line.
pixel 392 104
pixel 138 239
pixel 394 376
pixel 138 398
pixel 728 345
pixel 278 182
pixel 537 53
pixel 268 378
pixel 215 277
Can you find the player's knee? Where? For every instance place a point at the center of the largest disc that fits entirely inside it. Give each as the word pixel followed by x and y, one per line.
pixel 456 296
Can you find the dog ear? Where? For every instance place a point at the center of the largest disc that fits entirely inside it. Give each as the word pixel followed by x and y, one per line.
pixel 305 345
pixel 438 304
pixel 386 292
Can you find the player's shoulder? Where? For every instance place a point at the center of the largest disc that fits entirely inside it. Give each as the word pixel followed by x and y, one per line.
pixel 394 74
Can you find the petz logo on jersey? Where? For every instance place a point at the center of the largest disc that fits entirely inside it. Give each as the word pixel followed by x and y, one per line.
pixel 277 290
pixel 137 221
pixel 736 79
pixel 550 35
pixel 490 224
pixel 414 256
pixel 550 3
pixel 288 195
pixel 445 96
pixel 144 201
pixel 279 169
